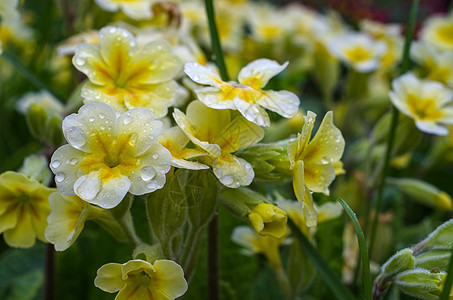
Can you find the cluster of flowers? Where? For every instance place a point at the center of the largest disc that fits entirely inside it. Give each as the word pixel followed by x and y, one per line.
pixel 139 122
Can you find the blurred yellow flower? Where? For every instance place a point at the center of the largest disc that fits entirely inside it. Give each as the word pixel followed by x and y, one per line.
pixel 438 65
pixel 358 50
pixel 23 209
pixel 213 131
pixel 438 32
pixel 126 76
pixel 109 155
pixel 426 101
pixel 313 162
pixel 140 280
pixel 134 9
pixel 268 219
pixel 246 95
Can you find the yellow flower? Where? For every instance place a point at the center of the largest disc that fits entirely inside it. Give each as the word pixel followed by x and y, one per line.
pixel 126 76
pixel 268 25
pixel 175 141
pixel 268 219
pixel 253 243
pixel 134 9
pixel 426 101
pixel 213 131
pixel 109 155
pixel 43 98
pixel 437 64
pixel 358 50
pixel 23 209
pixel 438 32
pixel 246 96
pixel 140 280
pixel 313 162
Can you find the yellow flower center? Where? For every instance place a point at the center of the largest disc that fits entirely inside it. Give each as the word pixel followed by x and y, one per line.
pixel 113 159
pixel 440 74
pixel 229 91
pixel 423 109
pixel 445 33
pixel 269 31
pixel 357 54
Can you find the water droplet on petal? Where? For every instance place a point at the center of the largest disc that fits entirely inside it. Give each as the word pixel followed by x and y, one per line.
pixel 102 127
pixel 55 164
pixel 227 180
pixel 91 119
pixel 133 139
pixel 155 156
pixel 73 161
pixel 59 177
pixel 80 61
pixel 127 120
pixel 102 116
pixel 148 173
pixel 76 136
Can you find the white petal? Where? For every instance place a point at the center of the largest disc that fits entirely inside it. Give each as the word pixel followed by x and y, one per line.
pixel 252 112
pixel 212 97
pixel 112 192
pixel 260 72
pixel 234 172
pixel 88 186
pixel 139 123
pixel 431 127
pixel 64 164
pixel 137 10
pixel 201 74
pixel 284 103
pixel 116 42
pixel 185 164
pixel 95 117
pixel 150 175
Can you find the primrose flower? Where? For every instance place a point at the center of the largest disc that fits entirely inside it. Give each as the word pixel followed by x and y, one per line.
pixel 141 280
pixel 437 64
pixel 246 96
pixel 253 243
pixel 175 141
pixel 218 136
pixel 426 101
pixel 358 50
pixel 109 155
pixel 268 25
pixel 126 76
pixel 23 209
pixel 438 32
pixel 268 219
pixel 43 98
pixel 313 162
pixel 134 9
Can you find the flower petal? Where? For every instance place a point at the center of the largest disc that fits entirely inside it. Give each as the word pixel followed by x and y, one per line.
pixel 284 103
pixel 233 171
pixel 318 177
pixel 22 235
pixel 431 128
pixel 212 97
pixel 239 133
pixel 109 278
pixel 258 73
pixel 87 60
pixel 64 164
pixel 252 112
pixel 116 46
pixel 170 278
pixel 297 146
pixel 112 192
pixel 201 74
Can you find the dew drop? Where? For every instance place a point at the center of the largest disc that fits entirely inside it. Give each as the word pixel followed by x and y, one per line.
pixel 127 120
pixel 196 78
pixel 112 30
pixel 55 164
pixel 60 177
pixel 73 161
pixel 148 173
pixel 133 139
pixel 75 136
pixel 324 160
pixel 91 119
pixel 102 127
pixel 152 185
pixel 80 61
pixel 227 180
pixel 155 156
pixel 101 115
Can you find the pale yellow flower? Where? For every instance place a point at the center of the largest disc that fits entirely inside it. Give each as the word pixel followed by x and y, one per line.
pixel 141 280
pixel 358 50
pixel 219 136
pixel 124 75
pixel 247 95
pixel 23 209
pixel 268 219
pixel 175 141
pixel 438 65
pixel 134 9
pixel 438 32
pixel 426 101
pixel 43 98
pixel 313 162
pixel 267 24
pixel 109 155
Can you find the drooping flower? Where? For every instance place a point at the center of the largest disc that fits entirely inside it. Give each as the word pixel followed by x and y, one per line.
pixel 313 162
pixel 175 141
pixel 358 50
pixel 23 209
pixel 438 32
pixel 109 155
pixel 268 219
pixel 247 96
pixel 426 101
pixel 219 136
pixel 134 9
pixel 124 75
pixel 141 280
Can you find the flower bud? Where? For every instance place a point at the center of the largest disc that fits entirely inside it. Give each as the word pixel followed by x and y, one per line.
pixel 240 201
pixel 36 167
pixel 441 238
pixel 54 132
pixel 403 260
pixel 433 259
pixel 268 219
pixel 420 283
pixel 36 120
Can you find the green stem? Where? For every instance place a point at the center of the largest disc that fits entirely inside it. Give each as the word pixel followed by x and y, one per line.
pixel 215 41
pixel 449 281
pixel 190 252
pixel 213 259
pixel 122 214
pixel 339 290
pixel 27 74
pixel 363 250
pixel 394 123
